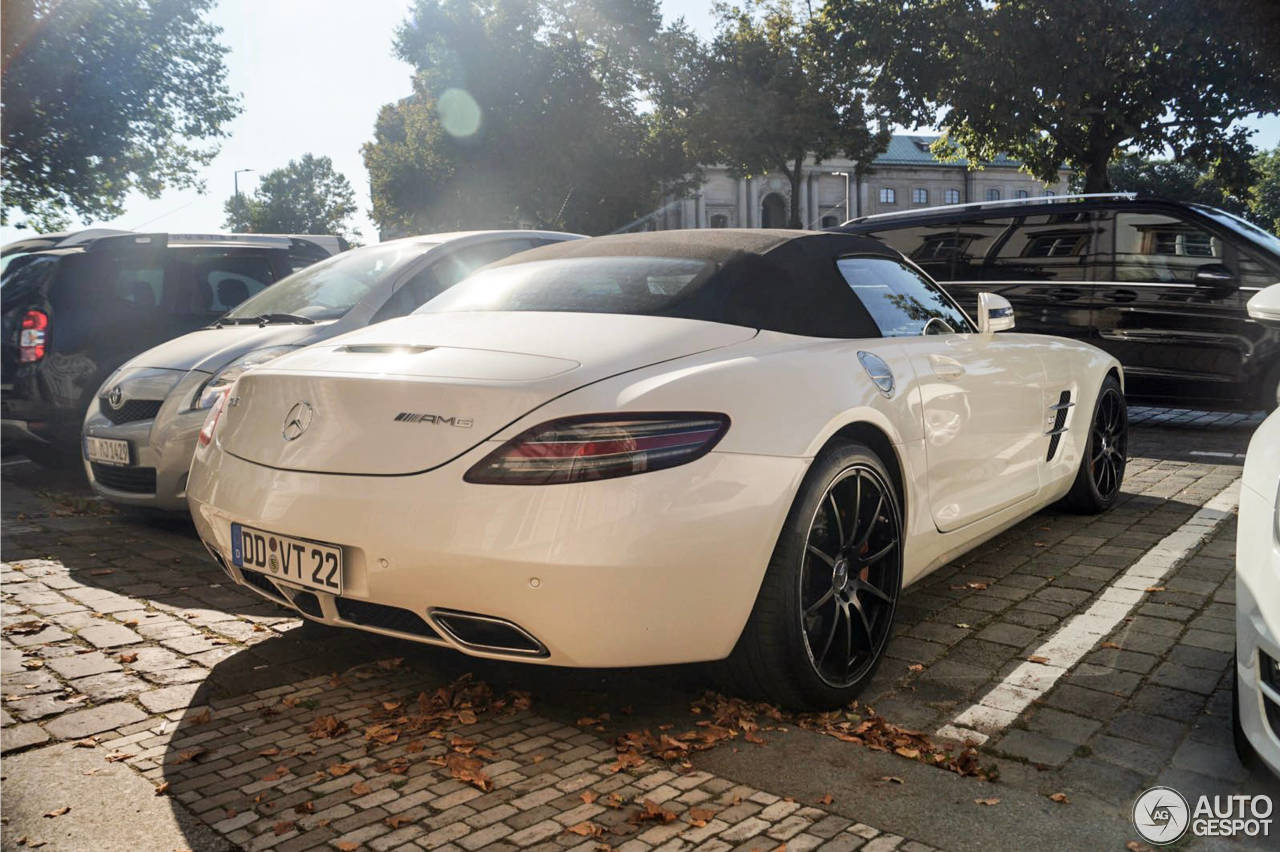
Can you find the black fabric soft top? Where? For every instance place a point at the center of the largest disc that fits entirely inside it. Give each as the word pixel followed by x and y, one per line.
pixel 776 280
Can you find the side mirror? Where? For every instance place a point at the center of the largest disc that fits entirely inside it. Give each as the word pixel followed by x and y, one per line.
pixel 994 313
pixel 1265 306
pixel 1215 277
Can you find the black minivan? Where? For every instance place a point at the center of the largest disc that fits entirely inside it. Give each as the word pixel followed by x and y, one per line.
pixel 1159 284
pixel 76 310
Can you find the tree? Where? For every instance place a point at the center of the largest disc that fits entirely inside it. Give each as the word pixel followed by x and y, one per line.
pixel 525 112
pixel 771 97
pixel 104 97
pixel 1055 83
pixel 305 197
pixel 1264 203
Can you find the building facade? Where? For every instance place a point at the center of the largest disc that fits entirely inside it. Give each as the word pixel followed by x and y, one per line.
pixel 906 176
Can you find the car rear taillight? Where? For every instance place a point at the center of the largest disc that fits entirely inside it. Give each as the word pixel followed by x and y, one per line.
pixel 581 449
pixel 31 340
pixel 211 419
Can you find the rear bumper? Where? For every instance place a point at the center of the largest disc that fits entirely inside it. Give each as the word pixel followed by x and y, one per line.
pixel 1257 625
pixel 651 569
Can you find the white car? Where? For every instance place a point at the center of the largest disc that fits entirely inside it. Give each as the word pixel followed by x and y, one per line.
pixel 1257 682
pixel 140 427
pixel 655 448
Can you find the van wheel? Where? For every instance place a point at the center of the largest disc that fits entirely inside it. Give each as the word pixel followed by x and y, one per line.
pixel 825 609
pixel 1101 472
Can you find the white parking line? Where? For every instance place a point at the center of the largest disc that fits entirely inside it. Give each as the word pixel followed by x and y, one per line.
pixel 1001 706
pixel 1216 455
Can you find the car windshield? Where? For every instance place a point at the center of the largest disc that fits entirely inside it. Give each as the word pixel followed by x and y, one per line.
pixel 327 290
pixel 611 285
pixel 1243 227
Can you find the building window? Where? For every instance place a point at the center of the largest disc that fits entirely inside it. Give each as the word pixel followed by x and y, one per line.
pixel 919 196
pixel 993 195
pixel 719 220
pixel 888 196
pixel 1022 193
pixel 951 196
pixel 1049 193
pixel 830 221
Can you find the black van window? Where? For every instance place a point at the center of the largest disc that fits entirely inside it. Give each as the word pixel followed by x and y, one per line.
pixel 902 302
pixel 1054 247
pixel 1160 248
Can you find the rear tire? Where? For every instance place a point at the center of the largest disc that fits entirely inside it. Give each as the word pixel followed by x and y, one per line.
pixel 1101 472
pixel 825 609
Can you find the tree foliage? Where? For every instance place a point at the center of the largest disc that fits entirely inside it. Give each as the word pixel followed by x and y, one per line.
pixel 770 97
pixel 103 97
pixel 305 197
pixel 1055 83
pixel 526 112
pixel 1264 203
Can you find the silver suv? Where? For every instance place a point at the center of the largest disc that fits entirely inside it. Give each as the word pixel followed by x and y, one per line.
pixel 141 427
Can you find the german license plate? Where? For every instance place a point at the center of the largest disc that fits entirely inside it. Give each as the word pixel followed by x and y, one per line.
pixel 107 450
pixel 291 560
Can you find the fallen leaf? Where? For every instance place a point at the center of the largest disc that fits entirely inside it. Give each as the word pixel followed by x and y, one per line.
pixel 162 788
pixel 116 756
pixel 986 801
pixel 277 773
pixel 131 657
pixel 1060 798
pixel 397 820
pixel 467 717
pixel 33 664
pixel 390 705
pixel 57 812
pixel 282 827
pixel 101 572
pixel 340 769
pixel 963 625
pixel 361 788
pixel 90 742
pixel 1112 645
pixel 915 667
pixel 908 753
pixel 586 829
pixel 200 718
pixel 189 754
pixel 653 812
pixel 1135 846
pixel 892 779
pixel 587 796
pixel 270 751
pixel 1036 658
pixel 699 817
pixel 307 807
pixel 327 727
pixel 392 663
pixel 1155 588
pixel 348 846
pixel 825 799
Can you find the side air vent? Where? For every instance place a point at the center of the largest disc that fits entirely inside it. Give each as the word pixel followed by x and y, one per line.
pixel 1058 424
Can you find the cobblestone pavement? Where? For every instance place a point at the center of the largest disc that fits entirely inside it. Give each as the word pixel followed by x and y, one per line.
pixel 267 731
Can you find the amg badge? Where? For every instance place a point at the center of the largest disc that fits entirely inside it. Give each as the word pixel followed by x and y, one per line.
pixel 438 419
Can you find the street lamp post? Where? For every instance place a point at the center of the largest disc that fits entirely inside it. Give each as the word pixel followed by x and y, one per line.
pixel 847 213
pixel 236 179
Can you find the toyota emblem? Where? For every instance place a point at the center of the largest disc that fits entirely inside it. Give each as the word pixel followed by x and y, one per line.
pixel 297 421
pixel 115 397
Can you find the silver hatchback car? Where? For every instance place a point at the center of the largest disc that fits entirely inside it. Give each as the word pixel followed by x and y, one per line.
pixel 141 427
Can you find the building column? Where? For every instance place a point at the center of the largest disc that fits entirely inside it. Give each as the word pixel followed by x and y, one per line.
pixel 804 199
pixel 686 213
pixel 815 202
pixel 700 211
pixel 742 203
pixel 752 207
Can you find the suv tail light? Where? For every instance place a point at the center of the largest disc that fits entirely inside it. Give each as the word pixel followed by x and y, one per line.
pixel 211 419
pixel 581 449
pixel 31 340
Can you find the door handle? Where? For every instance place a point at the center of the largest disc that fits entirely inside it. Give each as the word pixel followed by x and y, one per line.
pixel 1065 294
pixel 945 367
pixel 1121 296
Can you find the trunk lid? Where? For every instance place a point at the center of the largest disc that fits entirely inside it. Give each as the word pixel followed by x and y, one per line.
pixel 412 394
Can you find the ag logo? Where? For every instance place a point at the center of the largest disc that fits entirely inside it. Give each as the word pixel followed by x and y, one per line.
pixel 1161 815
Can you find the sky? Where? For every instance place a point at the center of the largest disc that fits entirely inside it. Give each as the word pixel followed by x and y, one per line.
pixel 312 75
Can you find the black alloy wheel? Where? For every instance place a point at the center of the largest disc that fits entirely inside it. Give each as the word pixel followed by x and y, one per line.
pixel 1101 472
pixel 850 575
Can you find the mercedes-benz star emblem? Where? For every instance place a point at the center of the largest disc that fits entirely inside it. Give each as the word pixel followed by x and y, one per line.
pixel 115 397
pixel 297 421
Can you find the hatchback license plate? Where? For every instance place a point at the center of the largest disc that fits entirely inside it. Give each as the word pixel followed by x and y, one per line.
pixel 107 450
pixel 292 560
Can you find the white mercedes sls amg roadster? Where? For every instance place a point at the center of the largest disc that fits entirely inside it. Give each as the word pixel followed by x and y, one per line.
pixel 655 448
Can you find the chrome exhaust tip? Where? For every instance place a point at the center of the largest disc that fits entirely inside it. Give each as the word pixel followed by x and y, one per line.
pixel 487 634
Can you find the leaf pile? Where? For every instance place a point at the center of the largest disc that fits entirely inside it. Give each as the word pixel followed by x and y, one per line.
pixel 727 719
